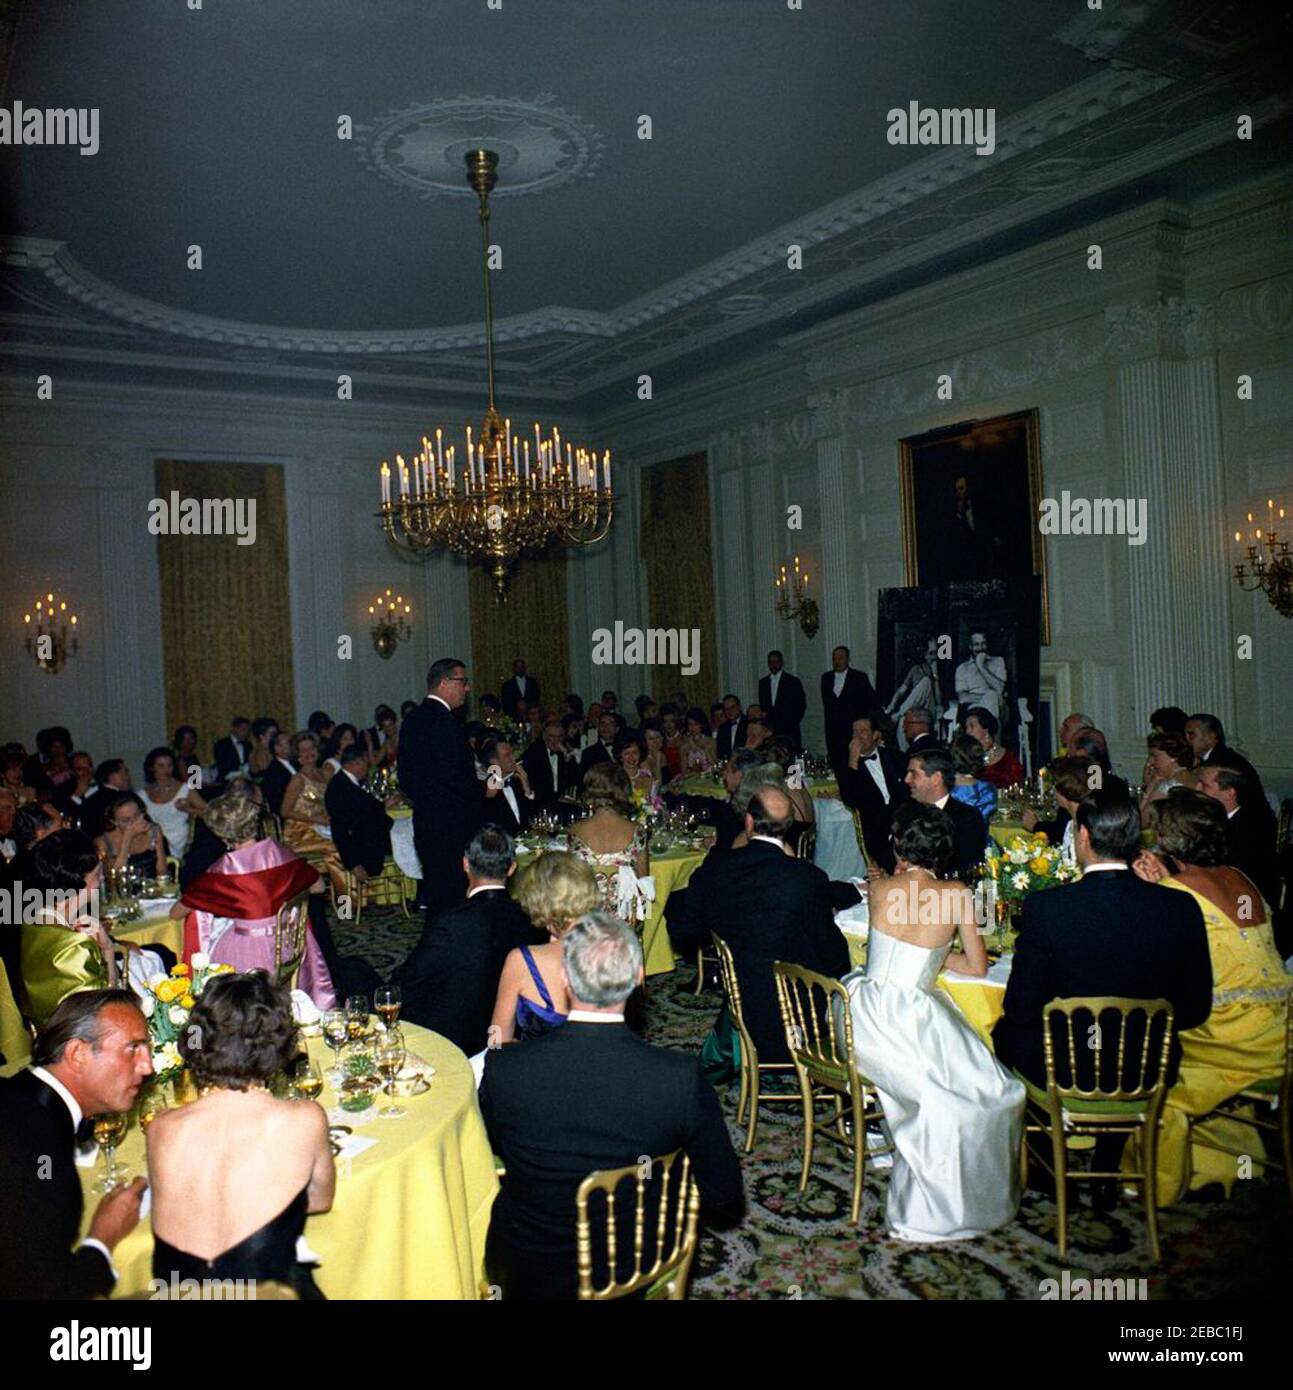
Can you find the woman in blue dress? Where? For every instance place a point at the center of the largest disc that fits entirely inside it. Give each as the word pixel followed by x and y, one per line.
pixel 554 892
pixel 970 787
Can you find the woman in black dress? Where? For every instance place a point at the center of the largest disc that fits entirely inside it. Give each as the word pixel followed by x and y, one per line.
pixel 235 1173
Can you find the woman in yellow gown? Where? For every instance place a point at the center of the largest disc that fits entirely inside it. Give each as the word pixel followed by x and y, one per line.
pixel 306 827
pixel 63 949
pixel 1243 1039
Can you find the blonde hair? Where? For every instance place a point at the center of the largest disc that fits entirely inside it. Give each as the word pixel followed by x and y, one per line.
pixel 556 890
pixel 233 818
pixel 607 784
pixel 305 736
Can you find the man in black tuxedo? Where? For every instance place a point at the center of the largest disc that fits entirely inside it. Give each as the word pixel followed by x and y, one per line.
pixel 450 980
pixel 92 1057
pixel 1108 934
pixel 603 750
pixel 437 773
pixel 767 906
pixel 232 751
pixel 520 687
pixel 931 774
pixel 918 730
pixel 1250 826
pixel 1207 739
pixel 274 780
pixel 846 695
pixel 873 784
pixel 730 734
pixel 513 806
pixel 361 829
pixel 112 777
pixel 782 698
pixel 551 768
pixel 588 1096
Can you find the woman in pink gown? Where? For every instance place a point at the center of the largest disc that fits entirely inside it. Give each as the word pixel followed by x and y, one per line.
pixel 230 911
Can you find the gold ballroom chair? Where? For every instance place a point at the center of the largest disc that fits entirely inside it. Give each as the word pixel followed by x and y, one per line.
pixel 820 1038
pixel 674 1223
pixel 1132 1106
pixel 750 1095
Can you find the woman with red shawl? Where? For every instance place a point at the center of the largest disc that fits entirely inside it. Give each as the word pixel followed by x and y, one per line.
pixel 230 910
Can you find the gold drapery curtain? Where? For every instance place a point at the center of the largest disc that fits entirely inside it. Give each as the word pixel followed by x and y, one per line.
pixel 226 615
pixel 533 624
pixel 675 548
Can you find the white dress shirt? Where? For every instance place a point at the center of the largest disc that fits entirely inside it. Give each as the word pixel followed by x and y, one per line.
pixel 872 764
pixel 840 678
pixel 774 684
pixel 588 1016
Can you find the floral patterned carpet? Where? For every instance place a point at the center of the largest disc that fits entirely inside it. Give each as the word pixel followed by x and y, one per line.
pixel 803 1246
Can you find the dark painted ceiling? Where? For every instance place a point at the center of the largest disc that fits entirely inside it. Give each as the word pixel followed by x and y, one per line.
pixel 219 127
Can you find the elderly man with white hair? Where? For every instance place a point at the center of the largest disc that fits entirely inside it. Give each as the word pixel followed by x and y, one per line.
pixel 588 1096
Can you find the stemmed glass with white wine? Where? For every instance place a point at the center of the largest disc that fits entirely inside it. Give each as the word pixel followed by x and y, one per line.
pixel 387 1002
pixel 336 1033
pixel 307 1084
pixel 392 1053
pixel 357 1016
pixel 109 1131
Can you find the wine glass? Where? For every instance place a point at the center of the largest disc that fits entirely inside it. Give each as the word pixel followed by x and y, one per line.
pixel 391 1056
pixel 307 1084
pixel 152 1102
pixel 357 1015
pixel 109 1131
pixel 335 1033
pixel 387 1001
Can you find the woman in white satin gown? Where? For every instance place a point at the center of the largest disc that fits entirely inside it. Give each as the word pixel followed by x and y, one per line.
pixel 955 1114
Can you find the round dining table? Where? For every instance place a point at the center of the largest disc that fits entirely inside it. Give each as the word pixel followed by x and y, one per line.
pixel 981 999
pixel 670 868
pixel 702 784
pixel 154 926
pixel 411 1209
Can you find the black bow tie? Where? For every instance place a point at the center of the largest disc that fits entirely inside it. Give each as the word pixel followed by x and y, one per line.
pixel 84 1132
pixel 871 758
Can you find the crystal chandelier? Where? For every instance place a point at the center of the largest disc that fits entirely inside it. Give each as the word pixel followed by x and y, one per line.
pixel 500 499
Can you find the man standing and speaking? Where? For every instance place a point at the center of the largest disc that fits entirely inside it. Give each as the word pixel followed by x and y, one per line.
pixel 438 775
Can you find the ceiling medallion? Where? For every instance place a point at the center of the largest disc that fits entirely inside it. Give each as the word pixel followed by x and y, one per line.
pixel 422 147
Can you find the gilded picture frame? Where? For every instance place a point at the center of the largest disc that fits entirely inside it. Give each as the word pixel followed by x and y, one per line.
pixel 970 494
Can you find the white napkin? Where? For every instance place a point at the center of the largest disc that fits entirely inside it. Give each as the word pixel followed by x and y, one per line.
pixel 304 1009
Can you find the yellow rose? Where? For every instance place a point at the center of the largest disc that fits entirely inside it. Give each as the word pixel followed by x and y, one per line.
pixel 1041 866
pixel 187 1002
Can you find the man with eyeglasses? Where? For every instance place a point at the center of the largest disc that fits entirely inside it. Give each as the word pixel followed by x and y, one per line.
pixel 437 773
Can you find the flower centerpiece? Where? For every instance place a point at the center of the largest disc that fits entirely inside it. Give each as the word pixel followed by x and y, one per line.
pixel 1027 864
pixel 167 1005
pixel 648 809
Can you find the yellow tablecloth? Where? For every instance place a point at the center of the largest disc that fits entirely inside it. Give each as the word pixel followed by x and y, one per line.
pixel 702 784
pixel 1001 831
pixel 410 1214
pixel 671 869
pixel 981 1001
pixel 155 926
